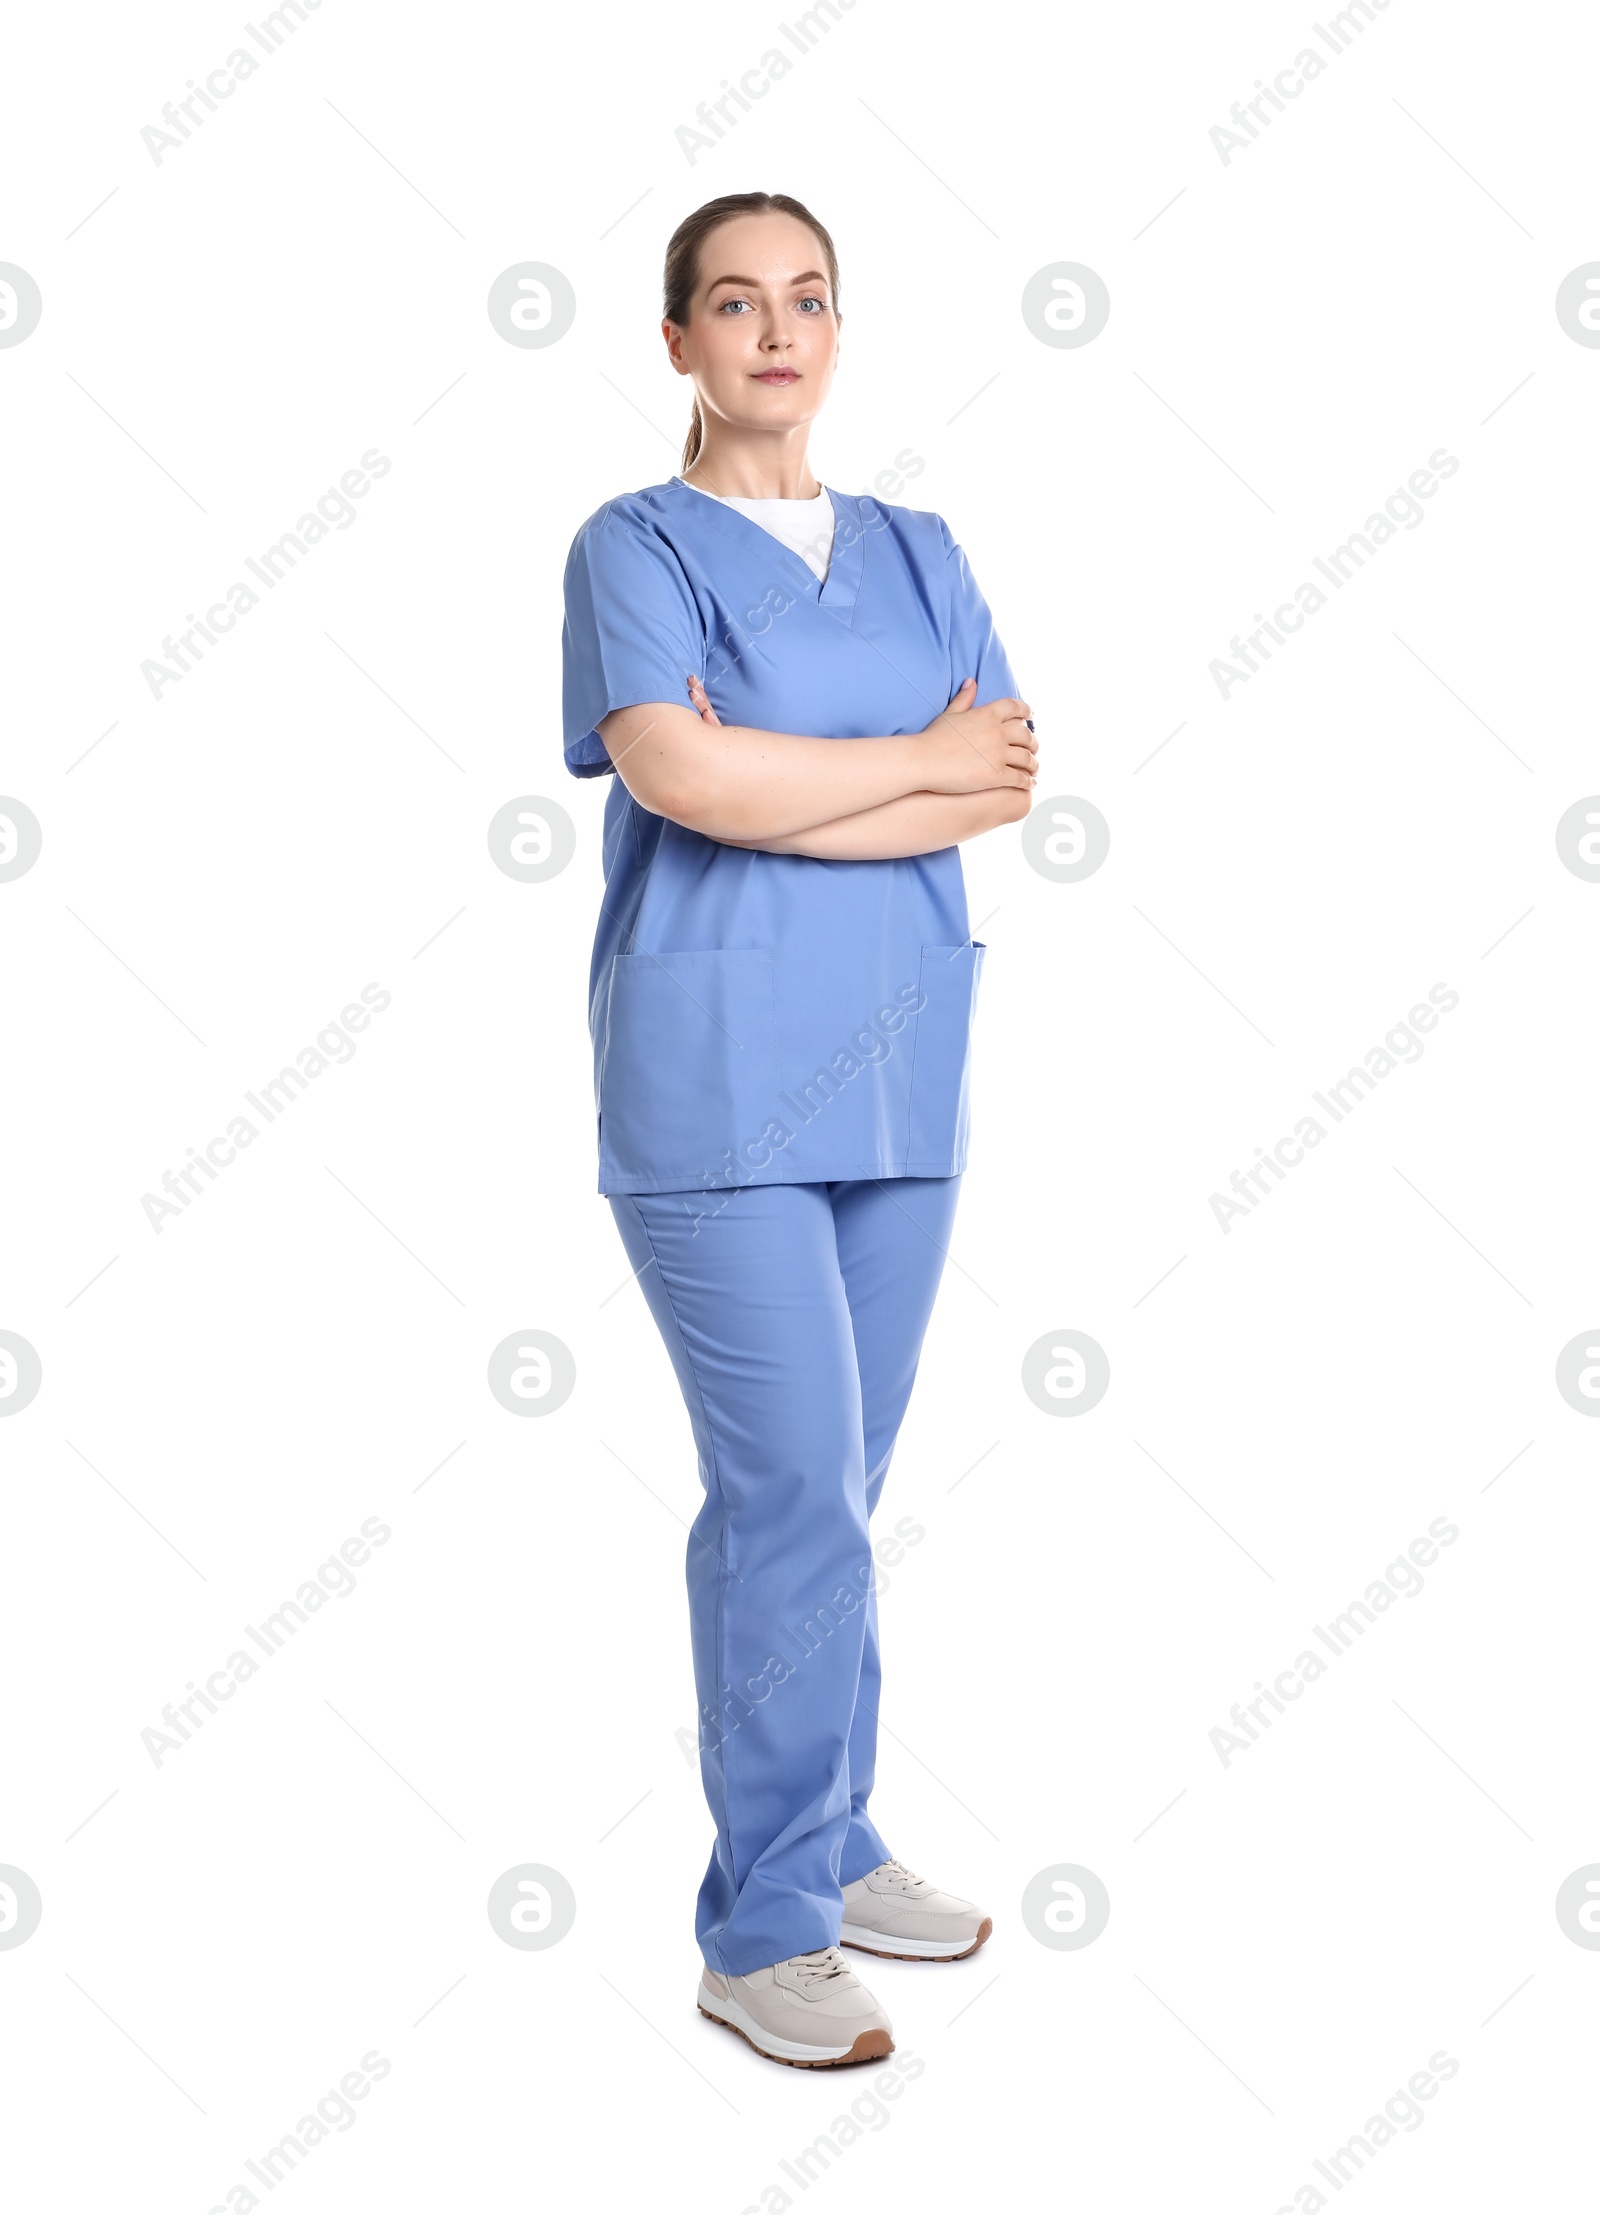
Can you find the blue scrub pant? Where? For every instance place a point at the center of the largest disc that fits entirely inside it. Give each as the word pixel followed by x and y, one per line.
pixel 794 1316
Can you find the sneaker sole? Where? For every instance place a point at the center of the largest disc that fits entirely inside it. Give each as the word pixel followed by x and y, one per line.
pixel 927 1949
pixel 870 2045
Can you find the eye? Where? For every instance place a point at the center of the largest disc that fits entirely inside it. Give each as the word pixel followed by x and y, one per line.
pixel 733 301
pixel 812 299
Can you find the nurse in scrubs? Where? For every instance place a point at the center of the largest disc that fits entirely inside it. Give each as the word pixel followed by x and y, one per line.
pixel 804 709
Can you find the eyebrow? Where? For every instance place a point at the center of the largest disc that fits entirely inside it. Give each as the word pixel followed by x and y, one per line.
pixel 809 276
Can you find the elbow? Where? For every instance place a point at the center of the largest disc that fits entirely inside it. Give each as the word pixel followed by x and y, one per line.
pixel 688 801
pixel 659 752
pixel 666 790
pixel 676 799
pixel 697 802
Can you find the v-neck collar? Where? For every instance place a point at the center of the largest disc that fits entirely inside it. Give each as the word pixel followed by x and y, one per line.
pixel 839 590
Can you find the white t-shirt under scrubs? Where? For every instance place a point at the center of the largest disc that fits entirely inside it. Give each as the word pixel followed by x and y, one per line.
pixel 804 526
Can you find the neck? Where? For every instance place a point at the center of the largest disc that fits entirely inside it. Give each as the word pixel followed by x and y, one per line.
pixel 761 469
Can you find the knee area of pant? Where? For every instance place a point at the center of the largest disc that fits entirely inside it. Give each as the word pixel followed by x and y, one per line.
pixel 817 1444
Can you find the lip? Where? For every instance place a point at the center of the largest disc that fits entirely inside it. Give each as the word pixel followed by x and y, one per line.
pixel 778 376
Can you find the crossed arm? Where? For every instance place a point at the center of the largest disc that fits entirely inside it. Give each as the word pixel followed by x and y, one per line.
pixel 851 799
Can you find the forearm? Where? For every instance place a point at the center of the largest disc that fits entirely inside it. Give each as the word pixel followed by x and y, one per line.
pixel 915 823
pixel 734 783
pixel 767 784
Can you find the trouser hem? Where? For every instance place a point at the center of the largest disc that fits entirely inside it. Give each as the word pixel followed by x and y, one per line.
pixel 799 1942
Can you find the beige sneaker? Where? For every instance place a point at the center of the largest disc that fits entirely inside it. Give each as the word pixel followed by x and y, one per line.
pixel 811 2011
pixel 891 1912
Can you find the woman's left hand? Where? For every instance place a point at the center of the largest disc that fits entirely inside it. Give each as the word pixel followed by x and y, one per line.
pixel 698 701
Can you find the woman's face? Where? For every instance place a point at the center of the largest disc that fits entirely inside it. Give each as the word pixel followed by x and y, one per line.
pixel 762 340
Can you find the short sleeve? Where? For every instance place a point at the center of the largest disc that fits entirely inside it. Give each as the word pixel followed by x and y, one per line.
pixel 975 648
pixel 631 633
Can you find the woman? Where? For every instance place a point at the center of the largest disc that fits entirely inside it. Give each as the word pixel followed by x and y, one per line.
pixel 807 709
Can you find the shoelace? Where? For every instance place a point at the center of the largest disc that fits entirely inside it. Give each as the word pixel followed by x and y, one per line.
pixel 821 1966
pixel 902 1878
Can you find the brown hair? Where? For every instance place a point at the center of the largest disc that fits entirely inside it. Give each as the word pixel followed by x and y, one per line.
pixel 681 275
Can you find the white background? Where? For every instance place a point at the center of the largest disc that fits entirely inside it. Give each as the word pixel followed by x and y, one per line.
pixel 1292 1936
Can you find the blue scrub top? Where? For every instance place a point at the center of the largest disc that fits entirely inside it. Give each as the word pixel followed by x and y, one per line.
pixel 772 1018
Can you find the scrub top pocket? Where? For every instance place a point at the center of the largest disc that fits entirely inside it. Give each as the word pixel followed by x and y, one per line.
pixel 689 1068
pixel 939 1077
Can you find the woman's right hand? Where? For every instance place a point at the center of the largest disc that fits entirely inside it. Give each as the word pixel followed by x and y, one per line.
pixel 974 749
